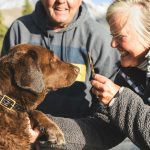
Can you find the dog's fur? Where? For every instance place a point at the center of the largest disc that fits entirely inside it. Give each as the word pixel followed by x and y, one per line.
pixel 27 73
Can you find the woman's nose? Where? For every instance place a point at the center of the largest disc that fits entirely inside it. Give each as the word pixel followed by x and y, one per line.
pixel 114 42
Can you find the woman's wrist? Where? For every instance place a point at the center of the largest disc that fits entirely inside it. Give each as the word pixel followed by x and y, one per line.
pixel 115 97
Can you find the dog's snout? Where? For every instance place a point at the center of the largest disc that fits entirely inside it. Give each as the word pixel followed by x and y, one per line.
pixel 76 70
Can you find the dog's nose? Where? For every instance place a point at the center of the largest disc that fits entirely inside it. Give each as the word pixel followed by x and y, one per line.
pixel 76 70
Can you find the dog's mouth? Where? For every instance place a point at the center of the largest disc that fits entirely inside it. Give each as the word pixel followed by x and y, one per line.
pixel 57 87
pixel 52 89
pixel 60 85
pixel 63 80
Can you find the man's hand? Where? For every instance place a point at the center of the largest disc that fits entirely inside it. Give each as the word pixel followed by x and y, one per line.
pixel 34 133
pixel 104 88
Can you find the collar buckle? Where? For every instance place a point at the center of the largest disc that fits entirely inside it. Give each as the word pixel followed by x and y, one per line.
pixel 7 102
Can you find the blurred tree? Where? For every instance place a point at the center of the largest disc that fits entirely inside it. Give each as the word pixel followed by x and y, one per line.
pixel 27 8
pixel 3 30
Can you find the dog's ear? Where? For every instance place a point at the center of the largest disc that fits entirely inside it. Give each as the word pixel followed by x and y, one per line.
pixel 27 72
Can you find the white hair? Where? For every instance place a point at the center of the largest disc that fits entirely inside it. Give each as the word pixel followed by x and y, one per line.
pixel 137 11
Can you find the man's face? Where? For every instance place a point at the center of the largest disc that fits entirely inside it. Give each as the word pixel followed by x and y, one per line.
pixel 61 12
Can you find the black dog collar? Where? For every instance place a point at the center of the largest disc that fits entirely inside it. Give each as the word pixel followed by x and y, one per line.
pixel 10 103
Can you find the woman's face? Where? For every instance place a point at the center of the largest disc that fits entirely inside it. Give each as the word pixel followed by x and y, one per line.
pixel 127 41
pixel 61 12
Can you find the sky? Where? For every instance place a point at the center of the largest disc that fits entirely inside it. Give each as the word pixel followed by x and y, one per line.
pixel 18 3
pixel 101 1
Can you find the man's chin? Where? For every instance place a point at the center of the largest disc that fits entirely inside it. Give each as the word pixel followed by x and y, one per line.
pixel 125 64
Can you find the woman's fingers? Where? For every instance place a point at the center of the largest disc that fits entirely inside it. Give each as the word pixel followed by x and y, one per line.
pixel 104 88
pixel 100 78
pixel 97 85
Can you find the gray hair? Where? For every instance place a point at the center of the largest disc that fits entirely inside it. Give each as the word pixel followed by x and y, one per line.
pixel 136 10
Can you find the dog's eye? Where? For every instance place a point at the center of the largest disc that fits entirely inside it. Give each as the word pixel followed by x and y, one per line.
pixel 50 60
pixel 54 59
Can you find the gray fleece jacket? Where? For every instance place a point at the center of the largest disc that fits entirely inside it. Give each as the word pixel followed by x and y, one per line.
pixel 71 44
pixel 132 116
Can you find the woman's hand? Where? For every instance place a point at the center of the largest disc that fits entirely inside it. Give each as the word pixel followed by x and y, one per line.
pixel 104 88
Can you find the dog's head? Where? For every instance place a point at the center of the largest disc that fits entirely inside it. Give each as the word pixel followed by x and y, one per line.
pixel 36 69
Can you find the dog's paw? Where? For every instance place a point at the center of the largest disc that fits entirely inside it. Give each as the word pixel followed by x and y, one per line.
pixel 56 137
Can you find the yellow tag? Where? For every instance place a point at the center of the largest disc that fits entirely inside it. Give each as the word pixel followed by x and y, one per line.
pixel 82 74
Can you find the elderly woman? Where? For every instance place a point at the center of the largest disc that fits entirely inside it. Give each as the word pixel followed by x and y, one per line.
pixel 129 22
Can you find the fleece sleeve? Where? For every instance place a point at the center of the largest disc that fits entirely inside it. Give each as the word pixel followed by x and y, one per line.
pixel 89 133
pixel 132 116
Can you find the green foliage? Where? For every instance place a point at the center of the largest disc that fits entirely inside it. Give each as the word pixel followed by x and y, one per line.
pixel 27 8
pixel 3 30
pixel 1 43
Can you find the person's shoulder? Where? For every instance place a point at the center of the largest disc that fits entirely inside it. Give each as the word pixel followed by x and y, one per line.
pixel 93 23
pixel 90 24
pixel 27 19
pixel 96 27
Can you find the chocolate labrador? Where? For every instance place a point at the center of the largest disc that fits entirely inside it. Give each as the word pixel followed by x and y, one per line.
pixel 27 73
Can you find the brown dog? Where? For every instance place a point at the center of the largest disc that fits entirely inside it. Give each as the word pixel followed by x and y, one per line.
pixel 27 73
